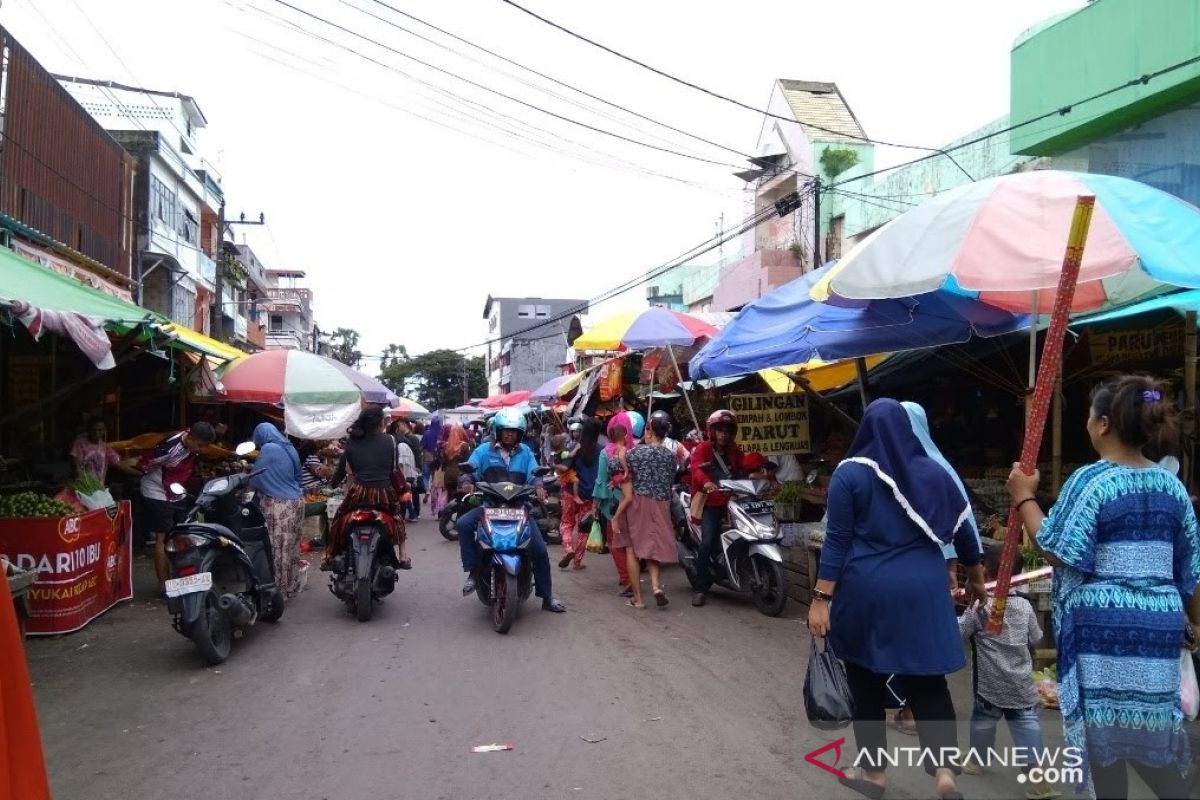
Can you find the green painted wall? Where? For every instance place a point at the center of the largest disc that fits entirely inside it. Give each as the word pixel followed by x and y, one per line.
pixel 1102 45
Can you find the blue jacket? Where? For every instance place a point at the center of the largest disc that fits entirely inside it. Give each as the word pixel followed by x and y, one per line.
pixel 490 465
pixel 281 480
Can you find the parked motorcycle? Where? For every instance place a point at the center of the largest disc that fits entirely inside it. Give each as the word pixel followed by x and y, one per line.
pixel 504 575
pixel 747 558
pixel 365 569
pixel 222 572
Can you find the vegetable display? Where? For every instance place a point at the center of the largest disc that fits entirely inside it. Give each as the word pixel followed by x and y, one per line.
pixel 31 504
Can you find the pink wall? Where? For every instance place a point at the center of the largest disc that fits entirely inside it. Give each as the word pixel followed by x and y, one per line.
pixel 754 276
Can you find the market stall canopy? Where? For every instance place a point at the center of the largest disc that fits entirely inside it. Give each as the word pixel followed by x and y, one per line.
pixel 407 408
pixel 556 387
pixel 506 400
pixel 1179 302
pixel 194 340
pixel 822 376
pixel 320 396
pixel 1001 240
pixel 638 330
pixel 786 326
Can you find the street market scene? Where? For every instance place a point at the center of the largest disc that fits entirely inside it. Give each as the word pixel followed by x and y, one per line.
pixel 369 433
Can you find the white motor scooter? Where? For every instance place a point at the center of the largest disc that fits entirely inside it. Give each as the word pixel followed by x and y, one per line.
pixel 747 558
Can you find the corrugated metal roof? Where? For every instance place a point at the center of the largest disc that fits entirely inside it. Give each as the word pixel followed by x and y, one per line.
pixel 820 106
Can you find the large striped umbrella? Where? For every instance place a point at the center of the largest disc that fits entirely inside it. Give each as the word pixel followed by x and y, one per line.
pixel 1001 240
pixel 407 408
pixel 320 397
pixel 639 330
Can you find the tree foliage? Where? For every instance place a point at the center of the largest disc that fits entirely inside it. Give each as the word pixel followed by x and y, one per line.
pixel 434 379
pixel 344 344
pixel 836 160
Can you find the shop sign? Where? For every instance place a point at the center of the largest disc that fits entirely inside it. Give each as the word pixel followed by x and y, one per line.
pixel 772 424
pixel 84 564
pixel 1138 344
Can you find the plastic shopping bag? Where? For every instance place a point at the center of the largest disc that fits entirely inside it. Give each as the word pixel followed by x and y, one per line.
pixel 827 700
pixel 94 500
pixel 1189 691
pixel 595 540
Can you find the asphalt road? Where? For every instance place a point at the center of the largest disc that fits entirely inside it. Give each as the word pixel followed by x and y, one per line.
pixel 604 701
pixel 685 702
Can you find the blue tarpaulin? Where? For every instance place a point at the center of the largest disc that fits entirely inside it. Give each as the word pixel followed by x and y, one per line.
pixel 787 326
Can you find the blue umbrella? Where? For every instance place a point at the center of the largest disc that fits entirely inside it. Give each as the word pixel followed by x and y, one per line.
pixel 787 326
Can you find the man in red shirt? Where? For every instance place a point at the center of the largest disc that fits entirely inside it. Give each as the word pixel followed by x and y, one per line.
pixel 722 455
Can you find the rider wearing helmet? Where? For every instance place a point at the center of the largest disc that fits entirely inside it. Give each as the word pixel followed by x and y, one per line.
pixel 677 449
pixel 507 458
pixel 719 447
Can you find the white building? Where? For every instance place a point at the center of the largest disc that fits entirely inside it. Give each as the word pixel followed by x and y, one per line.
pixel 176 195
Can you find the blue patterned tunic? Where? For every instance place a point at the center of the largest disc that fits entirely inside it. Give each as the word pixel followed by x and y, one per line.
pixel 1128 542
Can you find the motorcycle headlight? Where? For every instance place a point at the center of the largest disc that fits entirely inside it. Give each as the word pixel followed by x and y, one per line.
pixel 765 531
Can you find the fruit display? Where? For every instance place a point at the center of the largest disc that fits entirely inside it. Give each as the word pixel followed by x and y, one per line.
pixel 31 504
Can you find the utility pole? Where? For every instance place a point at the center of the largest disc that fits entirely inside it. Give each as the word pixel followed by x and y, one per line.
pixel 466 382
pixel 216 321
pixel 816 222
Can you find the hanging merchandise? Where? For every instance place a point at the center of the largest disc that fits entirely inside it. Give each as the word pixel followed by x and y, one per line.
pixel 611 384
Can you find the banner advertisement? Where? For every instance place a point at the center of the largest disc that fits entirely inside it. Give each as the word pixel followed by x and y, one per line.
pixel 772 424
pixel 84 564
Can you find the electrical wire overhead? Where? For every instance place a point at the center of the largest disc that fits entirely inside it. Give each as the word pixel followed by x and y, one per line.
pixel 498 93
pixel 722 97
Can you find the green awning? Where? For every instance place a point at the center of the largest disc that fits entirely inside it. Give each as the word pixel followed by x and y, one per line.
pixel 22 279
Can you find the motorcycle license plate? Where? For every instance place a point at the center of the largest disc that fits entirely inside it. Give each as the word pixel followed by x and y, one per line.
pixel 509 514
pixel 200 582
pixel 757 507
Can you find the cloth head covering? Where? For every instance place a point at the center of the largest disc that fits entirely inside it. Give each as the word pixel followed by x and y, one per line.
pixel 280 462
pixel 432 434
pixel 456 436
pixel 920 426
pixel 619 420
pixel 887 443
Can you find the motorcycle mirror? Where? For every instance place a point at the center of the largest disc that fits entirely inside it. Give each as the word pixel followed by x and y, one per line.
pixel 245 448
pixel 177 489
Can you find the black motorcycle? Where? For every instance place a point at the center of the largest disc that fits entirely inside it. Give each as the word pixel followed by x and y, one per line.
pixel 365 569
pixel 222 571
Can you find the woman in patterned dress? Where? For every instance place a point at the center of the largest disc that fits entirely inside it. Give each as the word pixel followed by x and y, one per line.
pixel 1123 542
pixel 282 501
pixel 650 530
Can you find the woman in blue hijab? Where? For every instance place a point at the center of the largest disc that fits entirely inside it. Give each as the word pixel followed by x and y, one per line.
pixel 282 501
pixel 883 593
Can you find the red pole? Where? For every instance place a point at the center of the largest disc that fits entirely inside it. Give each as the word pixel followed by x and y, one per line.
pixel 1042 391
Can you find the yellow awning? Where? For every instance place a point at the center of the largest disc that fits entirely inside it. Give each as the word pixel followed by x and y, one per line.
pixel 823 375
pixel 200 343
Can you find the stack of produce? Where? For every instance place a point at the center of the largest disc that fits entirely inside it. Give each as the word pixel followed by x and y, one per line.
pixel 31 504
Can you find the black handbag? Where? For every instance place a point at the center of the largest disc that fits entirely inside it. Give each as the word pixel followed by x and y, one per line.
pixel 827 700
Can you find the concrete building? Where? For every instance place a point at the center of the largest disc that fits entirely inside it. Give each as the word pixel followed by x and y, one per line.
pixel 789 154
pixel 289 313
pixel 175 199
pixel 687 287
pixel 65 184
pixel 530 336
pixel 1148 132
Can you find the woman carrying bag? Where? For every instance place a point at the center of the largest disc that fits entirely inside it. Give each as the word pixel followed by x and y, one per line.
pixel 891 509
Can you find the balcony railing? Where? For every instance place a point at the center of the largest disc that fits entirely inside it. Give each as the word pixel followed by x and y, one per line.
pixel 283 299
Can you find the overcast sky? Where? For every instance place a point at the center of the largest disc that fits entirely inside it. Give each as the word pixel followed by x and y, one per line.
pixel 406 223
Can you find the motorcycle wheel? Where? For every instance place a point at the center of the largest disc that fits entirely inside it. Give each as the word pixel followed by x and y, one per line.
pixel 213 632
pixel 274 608
pixel 770 594
pixel 504 609
pixel 362 599
pixel 446 522
pixel 687 560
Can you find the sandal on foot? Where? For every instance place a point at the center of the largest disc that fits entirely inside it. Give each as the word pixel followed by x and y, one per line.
pixel 565 561
pixel 864 787
pixel 660 597
pixel 632 604
pixel 406 564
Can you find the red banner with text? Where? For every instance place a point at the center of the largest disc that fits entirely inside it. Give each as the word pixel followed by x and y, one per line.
pixel 84 564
